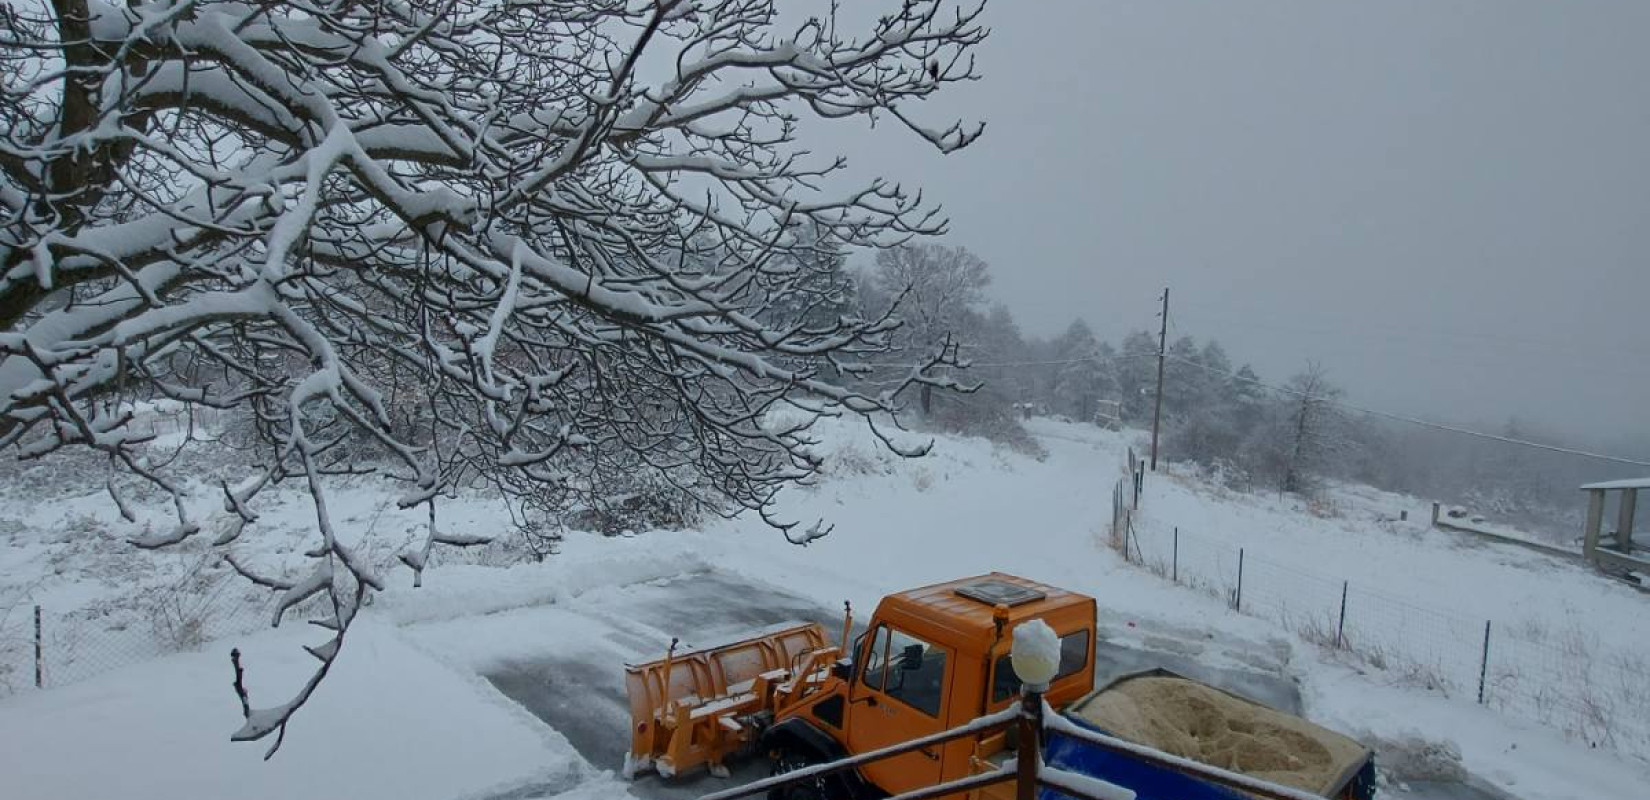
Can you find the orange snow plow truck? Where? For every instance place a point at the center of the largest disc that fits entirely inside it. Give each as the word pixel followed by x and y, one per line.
pixel 932 658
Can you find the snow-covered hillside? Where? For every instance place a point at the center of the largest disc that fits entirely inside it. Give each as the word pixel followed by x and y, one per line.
pixel 420 704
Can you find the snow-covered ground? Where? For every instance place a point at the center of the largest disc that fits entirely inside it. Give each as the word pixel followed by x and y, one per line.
pixel 420 703
pixel 1357 535
pixel 1568 647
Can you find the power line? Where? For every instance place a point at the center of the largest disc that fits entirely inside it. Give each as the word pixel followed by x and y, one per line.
pixel 1415 421
pixel 975 364
pixel 1226 314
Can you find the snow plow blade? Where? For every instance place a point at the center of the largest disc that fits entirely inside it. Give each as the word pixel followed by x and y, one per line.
pixel 699 707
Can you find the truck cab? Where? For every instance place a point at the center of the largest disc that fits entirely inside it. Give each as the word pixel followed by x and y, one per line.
pixel 931 659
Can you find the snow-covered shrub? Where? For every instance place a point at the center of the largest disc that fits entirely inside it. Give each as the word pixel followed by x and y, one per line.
pixel 179 621
pixel 636 504
pixel 1323 507
pixel 853 459
pixel 181 613
pixel 993 422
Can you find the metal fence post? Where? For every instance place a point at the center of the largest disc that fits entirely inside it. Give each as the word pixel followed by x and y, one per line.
pixel 1176 558
pixel 1484 663
pixel 39 653
pixel 1239 605
pixel 1340 627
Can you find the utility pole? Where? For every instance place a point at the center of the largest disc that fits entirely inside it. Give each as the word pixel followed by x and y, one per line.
pixel 1157 406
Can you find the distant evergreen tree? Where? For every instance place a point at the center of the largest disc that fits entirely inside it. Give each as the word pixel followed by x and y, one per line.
pixel 1086 378
pixel 1183 380
pixel 1137 376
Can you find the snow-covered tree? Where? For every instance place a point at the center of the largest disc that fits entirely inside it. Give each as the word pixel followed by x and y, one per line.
pixel 559 221
pixel 990 344
pixel 1137 375
pixel 998 335
pixel 1248 395
pixel 1313 427
pixel 936 284
pixel 1215 385
pixel 1206 424
pixel 1184 380
pixel 1084 377
pixel 937 290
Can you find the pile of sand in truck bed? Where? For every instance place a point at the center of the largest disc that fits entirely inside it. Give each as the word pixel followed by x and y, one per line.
pixel 1204 724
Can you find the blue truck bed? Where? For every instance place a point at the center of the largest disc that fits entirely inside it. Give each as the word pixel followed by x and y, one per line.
pixel 1345 773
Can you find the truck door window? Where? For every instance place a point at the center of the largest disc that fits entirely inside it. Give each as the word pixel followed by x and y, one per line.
pixel 876 656
pixel 915 673
pixel 1074 653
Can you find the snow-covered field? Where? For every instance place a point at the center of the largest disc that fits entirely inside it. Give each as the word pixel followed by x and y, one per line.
pixel 1357 535
pixel 420 703
pixel 1567 647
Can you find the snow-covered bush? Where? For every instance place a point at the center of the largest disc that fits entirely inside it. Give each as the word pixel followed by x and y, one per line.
pixel 852 459
pixel 180 620
pixel 993 422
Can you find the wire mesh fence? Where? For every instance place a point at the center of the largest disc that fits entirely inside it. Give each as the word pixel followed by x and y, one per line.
pixel 42 647
pixel 1590 690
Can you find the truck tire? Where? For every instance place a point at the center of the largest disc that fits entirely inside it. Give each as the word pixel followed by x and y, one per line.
pixel 792 759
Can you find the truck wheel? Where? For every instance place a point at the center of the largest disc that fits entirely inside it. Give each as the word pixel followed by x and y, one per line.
pixel 790 760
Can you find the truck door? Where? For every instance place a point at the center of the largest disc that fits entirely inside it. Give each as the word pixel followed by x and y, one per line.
pixel 899 695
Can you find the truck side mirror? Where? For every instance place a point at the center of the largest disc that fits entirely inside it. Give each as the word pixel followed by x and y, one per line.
pixel 910 659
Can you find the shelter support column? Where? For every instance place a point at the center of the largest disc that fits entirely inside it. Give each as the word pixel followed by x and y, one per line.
pixel 1595 520
pixel 1624 520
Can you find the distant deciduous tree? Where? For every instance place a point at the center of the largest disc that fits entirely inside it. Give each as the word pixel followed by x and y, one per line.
pixel 1314 427
pixel 936 284
pixel 937 290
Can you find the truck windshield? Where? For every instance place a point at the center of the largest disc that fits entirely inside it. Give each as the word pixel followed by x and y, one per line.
pixel 1074 653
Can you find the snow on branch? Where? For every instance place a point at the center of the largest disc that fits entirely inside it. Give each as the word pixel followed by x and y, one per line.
pixel 569 252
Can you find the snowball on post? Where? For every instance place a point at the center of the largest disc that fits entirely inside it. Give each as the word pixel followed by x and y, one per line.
pixel 1035 654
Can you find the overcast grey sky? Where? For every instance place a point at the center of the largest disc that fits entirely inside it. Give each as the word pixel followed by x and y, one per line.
pixel 1447 202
